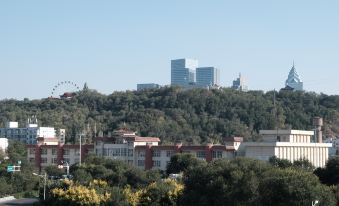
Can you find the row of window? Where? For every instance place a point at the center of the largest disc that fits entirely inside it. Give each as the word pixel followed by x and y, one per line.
pixel 117 152
pixel 44 151
pixel 44 160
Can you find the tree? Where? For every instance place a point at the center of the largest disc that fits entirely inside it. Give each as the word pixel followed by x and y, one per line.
pixel 82 176
pixel 182 162
pixel 330 174
pixel 223 182
pixel 53 170
pixel 281 163
pixel 293 187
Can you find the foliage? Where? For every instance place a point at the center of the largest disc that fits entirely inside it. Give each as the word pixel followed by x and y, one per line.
pixel 182 162
pixel 53 170
pixel 251 182
pixel 330 174
pixel 293 187
pixel 194 116
pixel 161 193
pixel 76 194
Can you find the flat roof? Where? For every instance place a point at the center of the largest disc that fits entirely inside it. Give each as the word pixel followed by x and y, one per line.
pixel 286 132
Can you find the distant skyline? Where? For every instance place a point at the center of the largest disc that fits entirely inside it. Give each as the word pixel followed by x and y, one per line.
pixel 114 45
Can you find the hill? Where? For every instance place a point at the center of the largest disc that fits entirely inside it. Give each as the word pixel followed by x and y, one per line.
pixel 194 116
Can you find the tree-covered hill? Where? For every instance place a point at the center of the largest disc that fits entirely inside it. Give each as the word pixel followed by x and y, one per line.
pixel 173 114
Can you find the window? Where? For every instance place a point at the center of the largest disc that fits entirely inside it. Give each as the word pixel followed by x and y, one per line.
pixel 31 160
pixel 123 152
pixel 54 160
pixel 115 152
pixel 44 160
pixel 105 152
pixel 169 153
pixel 66 151
pixel 130 152
pixel 66 160
pixel 141 154
pixel 130 144
pixel 43 151
pixel 156 163
pixel 201 154
pixel 156 153
pixel 76 160
pixel 77 152
pixel 141 163
pixel 217 154
pixel 54 151
pixel 32 151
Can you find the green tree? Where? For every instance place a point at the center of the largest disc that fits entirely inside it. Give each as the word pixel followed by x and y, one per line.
pixel 293 187
pixel 182 162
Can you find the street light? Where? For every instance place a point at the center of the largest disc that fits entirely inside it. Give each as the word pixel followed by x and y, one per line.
pixel 315 203
pixel 45 181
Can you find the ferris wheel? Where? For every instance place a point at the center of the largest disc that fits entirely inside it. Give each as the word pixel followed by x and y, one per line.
pixel 65 89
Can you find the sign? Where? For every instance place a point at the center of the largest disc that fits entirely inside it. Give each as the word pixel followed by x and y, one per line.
pixel 10 168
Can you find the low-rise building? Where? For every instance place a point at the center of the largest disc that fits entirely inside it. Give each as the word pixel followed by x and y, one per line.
pixel 288 144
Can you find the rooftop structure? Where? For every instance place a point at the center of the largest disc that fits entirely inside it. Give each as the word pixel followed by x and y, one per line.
pixel 293 81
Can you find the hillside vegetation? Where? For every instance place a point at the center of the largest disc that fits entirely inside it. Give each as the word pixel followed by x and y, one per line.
pixel 194 116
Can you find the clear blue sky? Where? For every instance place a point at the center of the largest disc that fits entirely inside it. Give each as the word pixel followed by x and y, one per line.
pixel 113 45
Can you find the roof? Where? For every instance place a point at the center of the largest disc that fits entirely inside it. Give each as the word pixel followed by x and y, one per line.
pixel 233 139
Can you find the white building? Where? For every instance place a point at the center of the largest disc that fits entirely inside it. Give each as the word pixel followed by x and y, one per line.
pixel 334 150
pixel 29 134
pixel 3 144
pixel 239 84
pixel 288 144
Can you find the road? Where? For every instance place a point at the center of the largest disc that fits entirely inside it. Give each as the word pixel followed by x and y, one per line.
pixel 19 202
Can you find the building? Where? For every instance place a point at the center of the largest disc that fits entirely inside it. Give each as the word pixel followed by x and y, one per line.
pixel 30 133
pixel 288 144
pixel 42 155
pixel 239 84
pixel 334 150
pixel 182 72
pixel 141 87
pixel 121 145
pixel 158 156
pixel 207 77
pixel 3 144
pixel 293 81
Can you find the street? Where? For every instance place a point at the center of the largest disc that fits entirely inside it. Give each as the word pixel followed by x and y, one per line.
pixel 25 201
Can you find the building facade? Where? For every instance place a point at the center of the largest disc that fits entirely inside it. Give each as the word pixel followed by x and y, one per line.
pixel 42 155
pixel 3 144
pixel 141 87
pixel 183 72
pixel 28 134
pixel 288 144
pixel 239 84
pixel 207 77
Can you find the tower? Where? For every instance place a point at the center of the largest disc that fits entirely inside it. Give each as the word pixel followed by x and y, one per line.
pixel 183 71
pixel 293 81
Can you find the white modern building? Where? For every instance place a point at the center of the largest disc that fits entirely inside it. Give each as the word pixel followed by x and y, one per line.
pixel 293 81
pixel 30 133
pixel 288 144
pixel 183 72
pixel 207 77
pixel 239 84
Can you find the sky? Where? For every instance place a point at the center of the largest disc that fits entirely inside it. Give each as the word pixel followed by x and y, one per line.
pixel 114 45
